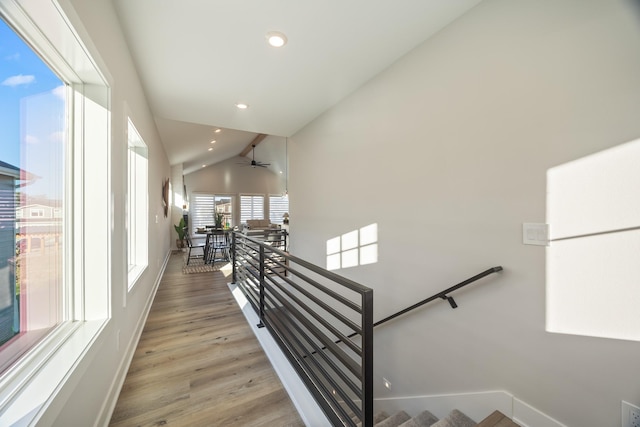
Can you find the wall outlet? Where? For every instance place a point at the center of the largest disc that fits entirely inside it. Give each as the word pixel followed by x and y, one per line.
pixel 630 415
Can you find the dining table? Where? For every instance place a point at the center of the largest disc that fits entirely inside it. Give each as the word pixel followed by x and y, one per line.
pixel 218 240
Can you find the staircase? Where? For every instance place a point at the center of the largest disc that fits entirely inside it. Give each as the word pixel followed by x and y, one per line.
pixel 427 419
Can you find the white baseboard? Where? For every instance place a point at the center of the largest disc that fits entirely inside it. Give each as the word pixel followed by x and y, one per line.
pixel 528 416
pixel 116 385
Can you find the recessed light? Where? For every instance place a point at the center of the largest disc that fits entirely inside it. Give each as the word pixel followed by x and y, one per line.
pixel 276 39
pixel 218 130
pixel 242 106
pixel 213 141
pixel 210 149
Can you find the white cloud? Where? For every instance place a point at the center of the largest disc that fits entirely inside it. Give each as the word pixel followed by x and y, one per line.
pixel 57 136
pixel 18 80
pixel 30 139
pixel 13 57
pixel 60 92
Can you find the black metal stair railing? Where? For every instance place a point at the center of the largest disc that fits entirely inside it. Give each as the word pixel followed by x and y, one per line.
pixel 323 322
pixel 307 308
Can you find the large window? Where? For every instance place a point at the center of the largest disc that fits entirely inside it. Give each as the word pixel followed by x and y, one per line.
pixel 137 218
pixel 33 107
pixel 54 207
pixel 205 205
pixel 251 207
pixel 278 206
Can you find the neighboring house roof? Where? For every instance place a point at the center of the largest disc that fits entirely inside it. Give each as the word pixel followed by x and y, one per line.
pixel 37 206
pixel 17 173
pixel 9 170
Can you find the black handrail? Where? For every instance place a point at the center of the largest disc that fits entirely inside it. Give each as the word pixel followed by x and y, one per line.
pixel 441 295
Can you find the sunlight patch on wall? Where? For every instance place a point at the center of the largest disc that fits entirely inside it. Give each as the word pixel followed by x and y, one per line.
pixel 593 209
pixel 357 247
pixel 178 200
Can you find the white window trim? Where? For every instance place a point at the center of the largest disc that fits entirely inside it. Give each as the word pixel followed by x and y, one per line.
pixel 278 218
pixel 137 225
pixel 194 220
pixel 30 388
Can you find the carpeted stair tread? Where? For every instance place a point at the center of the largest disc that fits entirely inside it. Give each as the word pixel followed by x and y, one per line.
pixel 423 419
pixel 455 419
pixel 377 417
pixel 394 420
pixel 497 419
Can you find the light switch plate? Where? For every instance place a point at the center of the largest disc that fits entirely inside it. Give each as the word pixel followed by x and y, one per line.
pixel 534 233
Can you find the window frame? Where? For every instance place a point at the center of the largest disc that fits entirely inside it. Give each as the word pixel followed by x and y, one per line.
pixel 137 216
pixel 29 386
pixel 276 216
pixel 196 217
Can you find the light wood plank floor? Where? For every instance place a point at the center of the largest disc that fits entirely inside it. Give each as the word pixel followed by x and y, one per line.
pixel 198 362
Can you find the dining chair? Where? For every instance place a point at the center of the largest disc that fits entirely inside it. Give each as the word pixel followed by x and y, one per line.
pixel 218 243
pixel 194 245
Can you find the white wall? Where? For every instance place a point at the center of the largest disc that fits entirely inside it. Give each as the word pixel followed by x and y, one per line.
pixel 447 152
pixel 86 396
pixel 231 178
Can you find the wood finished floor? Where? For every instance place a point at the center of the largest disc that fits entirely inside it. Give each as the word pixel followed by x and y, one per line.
pixel 198 362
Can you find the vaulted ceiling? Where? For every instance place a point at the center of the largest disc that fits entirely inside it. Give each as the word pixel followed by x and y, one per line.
pixel 197 59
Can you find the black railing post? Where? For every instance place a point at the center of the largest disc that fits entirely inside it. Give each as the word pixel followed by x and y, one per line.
pixel 261 324
pixel 233 257
pixel 367 358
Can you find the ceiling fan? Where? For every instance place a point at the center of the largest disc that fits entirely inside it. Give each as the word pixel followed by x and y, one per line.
pixel 254 163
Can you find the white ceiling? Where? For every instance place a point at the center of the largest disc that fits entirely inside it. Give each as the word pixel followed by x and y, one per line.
pixel 198 58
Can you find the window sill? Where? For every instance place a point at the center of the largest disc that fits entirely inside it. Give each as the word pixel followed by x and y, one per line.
pixel 30 388
pixel 135 272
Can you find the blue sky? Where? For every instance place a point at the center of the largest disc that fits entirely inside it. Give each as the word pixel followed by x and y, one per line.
pixel 31 109
pixel 22 74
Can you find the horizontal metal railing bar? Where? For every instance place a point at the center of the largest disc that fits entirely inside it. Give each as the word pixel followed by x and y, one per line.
pixel 310 377
pixel 334 295
pixel 350 324
pixel 250 294
pixel 273 306
pixel 295 340
pixel 322 320
pixel 350 284
pixel 315 346
pixel 318 285
pixel 254 263
pixel 329 397
pixel 320 336
pixel 346 321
